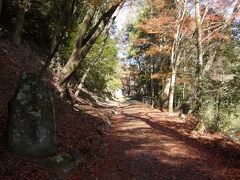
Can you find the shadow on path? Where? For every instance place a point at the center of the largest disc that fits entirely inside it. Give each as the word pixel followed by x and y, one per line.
pixel 145 144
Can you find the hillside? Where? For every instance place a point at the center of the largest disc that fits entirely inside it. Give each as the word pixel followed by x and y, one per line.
pixel 76 130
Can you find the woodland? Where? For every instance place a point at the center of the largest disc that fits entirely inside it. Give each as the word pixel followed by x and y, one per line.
pixel 82 98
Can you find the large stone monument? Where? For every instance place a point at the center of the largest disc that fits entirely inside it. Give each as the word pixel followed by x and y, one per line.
pixel 31 123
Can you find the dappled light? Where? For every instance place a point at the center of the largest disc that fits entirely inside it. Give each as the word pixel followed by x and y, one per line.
pixel 148 143
pixel 119 89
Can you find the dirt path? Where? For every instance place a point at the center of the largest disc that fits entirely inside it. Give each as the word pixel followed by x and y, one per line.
pixel 149 144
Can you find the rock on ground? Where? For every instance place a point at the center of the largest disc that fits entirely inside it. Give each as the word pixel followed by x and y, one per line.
pixel 31 126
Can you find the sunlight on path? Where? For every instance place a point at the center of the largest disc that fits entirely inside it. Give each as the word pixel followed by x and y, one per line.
pixel 145 144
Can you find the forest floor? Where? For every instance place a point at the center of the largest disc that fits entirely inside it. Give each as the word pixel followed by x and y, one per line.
pixel 81 131
pixel 143 143
pixel 146 143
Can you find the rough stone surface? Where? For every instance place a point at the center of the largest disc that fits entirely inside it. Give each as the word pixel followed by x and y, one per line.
pixel 31 123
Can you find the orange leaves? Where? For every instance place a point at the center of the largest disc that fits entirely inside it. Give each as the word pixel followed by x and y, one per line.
pixel 160 4
pixel 188 26
pixel 141 41
pixel 166 50
pixel 213 17
pixel 184 80
pixel 180 80
pixel 156 50
pixel 161 75
pixel 153 51
pixel 217 36
pixel 155 76
pixel 156 25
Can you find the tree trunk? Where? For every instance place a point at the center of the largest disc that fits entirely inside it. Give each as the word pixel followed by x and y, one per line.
pixel 0 7
pixel 199 68
pixel 59 30
pixel 79 88
pixel 218 115
pixel 19 25
pixel 171 91
pixel 23 7
pixel 84 44
pixel 58 26
pixel 165 94
pixel 85 25
pixel 184 86
pixel 152 83
pixel 96 60
pixel 175 57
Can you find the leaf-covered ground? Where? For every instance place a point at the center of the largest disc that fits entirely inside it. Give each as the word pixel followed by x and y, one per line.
pixel 146 143
pixel 76 130
pixel 143 143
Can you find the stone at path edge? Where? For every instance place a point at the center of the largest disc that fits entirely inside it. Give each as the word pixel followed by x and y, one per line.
pixel 31 120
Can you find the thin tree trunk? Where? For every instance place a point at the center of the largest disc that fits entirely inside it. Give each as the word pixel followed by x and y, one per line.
pixel 19 26
pixel 218 115
pixel 79 88
pixel 165 94
pixel 73 6
pixel 175 58
pixel 152 85
pixel 171 92
pixel 199 67
pixel 58 27
pixel 0 7
pixel 183 91
pixel 23 7
pixel 184 86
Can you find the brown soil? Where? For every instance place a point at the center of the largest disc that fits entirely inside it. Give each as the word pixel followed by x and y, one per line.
pixel 146 143
pixel 143 143
pixel 76 130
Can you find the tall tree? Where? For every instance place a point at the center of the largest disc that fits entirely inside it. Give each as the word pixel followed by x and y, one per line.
pixel 87 38
pixel 175 56
pixel 99 57
pixel 23 7
pixel 60 30
pixel 199 66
